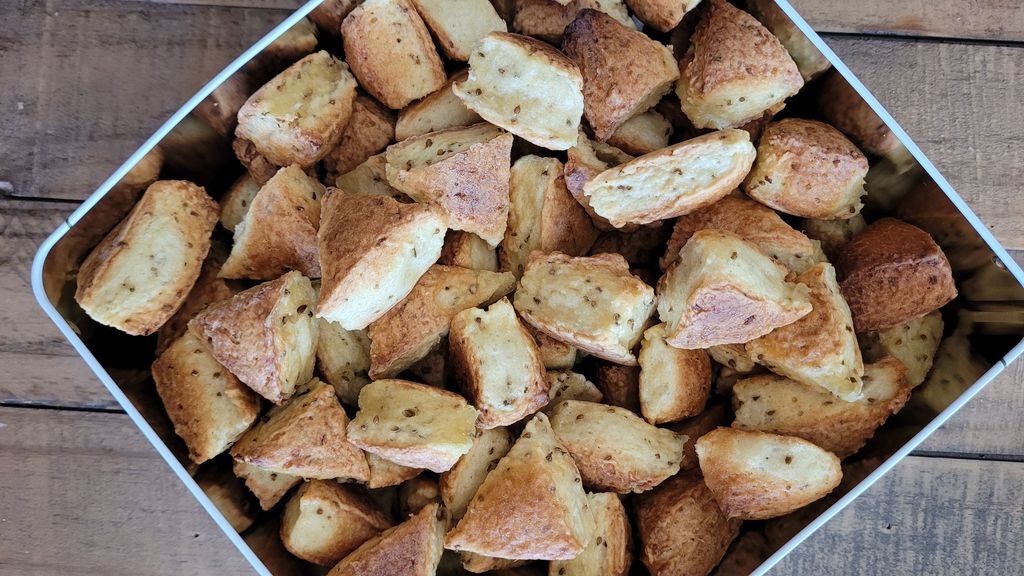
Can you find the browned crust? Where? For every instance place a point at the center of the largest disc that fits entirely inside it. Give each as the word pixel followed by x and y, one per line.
pixel 807 168
pixel 257 164
pixel 369 130
pixel 747 219
pixel 195 214
pixel 516 513
pixel 355 230
pixel 412 548
pixel 415 326
pixel 687 391
pixel 619 384
pixel 819 340
pixel 329 15
pixel 841 428
pixel 682 530
pixel 714 415
pixel 470 187
pixel 886 263
pixel 844 108
pixel 565 225
pixel 240 333
pixel 393 73
pixel 662 15
pixel 624 71
pixel 306 438
pixel 278 233
pixel 731 48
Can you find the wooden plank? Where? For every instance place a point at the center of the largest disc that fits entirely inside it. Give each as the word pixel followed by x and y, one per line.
pixel 927 516
pixel 963 104
pixel 85 83
pixel 982 19
pixel 90 484
pixel 86 494
pixel 40 367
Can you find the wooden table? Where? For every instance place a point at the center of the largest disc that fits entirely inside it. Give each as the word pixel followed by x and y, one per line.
pixel 84 82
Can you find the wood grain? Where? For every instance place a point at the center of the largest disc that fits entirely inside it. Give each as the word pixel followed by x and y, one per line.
pixel 927 516
pixel 136 518
pixel 85 83
pixel 84 493
pixel 981 19
pixel 963 104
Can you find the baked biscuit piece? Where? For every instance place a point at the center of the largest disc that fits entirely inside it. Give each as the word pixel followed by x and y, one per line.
pixel 593 302
pixel 384 473
pixel 714 415
pixel 674 181
pixel 391 53
pixel 777 404
pixel 642 134
pixel 681 529
pixel 459 484
pixel 329 15
pixel 914 343
pixel 412 424
pixel 752 222
pixel 266 336
pixel 624 72
pixel 723 290
pixel 369 130
pixel 460 24
pixel 463 171
pixel 415 327
pixel 567 385
pixel 298 117
pixel 208 406
pixel 819 349
pixel 735 70
pixel 609 552
pixel 343 357
pixel 371 178
pixel 809 60
pixel 555 354
pixel 438 110
pixel 807 168
pixel 306 437
pixel 268 487
pixel 412 548
pixel 542 215
pixel 662 15
pixel 674 383
pixel 324 521
pixel 758 475
pixel 531 506
pixel 504 73
pixel 620 385
pixel 497 364
pixel 547 19
pixel 616 450
pixel 228 494
pixel 278 232
pixel 886 262
pixel 841 106
pixel 236 201
pixel 142 271
pixel 373 250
